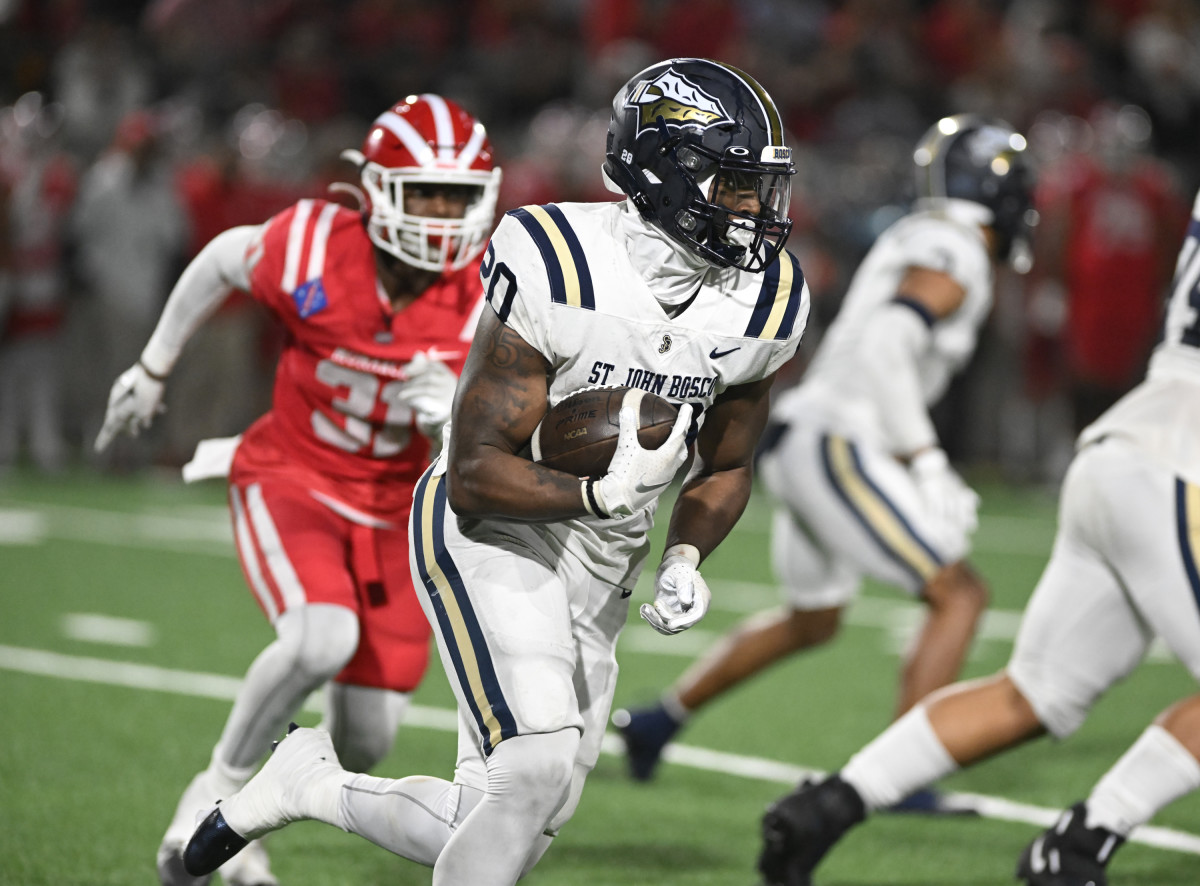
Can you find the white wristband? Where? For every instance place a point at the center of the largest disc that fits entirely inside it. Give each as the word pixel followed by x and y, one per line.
pixel 691 553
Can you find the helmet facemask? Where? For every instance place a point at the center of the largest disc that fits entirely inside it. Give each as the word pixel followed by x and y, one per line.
pixel 433 243
pixel 737 216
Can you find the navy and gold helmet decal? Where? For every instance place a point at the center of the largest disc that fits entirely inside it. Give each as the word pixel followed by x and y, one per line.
pixel 677 100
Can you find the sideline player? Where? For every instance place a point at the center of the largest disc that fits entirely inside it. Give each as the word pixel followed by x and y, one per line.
pixel 1125 568
pixel 683 289
pixel 852 457
pixel 379 309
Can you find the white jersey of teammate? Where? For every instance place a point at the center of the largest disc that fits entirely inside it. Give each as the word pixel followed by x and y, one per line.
pixel 849 507
pixel 837 392
pixel 597 322
pixel 1126 561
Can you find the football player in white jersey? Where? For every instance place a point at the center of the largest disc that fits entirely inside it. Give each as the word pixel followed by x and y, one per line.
pixel 683 289
pixel 1125 569
pixel 852 457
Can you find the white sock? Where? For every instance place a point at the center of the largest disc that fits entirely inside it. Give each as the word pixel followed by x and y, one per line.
pixel 1156 771
pixel 905 757
pixel 674 707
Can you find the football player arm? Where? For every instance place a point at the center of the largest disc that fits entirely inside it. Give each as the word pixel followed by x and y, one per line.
pixel 893 339
pixel 711 501
pixel 719 484
pixel 136 396
pixel 206 282
pixel 501 397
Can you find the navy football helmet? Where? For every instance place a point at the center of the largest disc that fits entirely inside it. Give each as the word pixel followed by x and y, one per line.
pixel 698 147
pixel 985 161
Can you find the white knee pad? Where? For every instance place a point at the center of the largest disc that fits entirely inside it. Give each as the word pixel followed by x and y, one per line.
pixel 1060 703
pixel 319 638
pixel 534 772
pixel 363 722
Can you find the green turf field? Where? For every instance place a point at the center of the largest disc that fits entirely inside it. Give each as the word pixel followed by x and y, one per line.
pixel 124 625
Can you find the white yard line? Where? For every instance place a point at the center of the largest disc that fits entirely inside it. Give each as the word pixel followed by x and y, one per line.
pixel 93 628
pixel 40 662
pixel 30 522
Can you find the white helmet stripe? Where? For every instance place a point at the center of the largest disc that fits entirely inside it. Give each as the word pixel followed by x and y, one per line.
pixel 443 125
pixel 471 151
pixel 408 135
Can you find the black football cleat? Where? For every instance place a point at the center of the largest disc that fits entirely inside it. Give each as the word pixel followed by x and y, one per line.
pixel 1069 853
pixel 799 828
pixel 213 844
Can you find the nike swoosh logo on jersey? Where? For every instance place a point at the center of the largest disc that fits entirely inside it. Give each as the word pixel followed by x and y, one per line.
pixel 715 354
pixel 436 353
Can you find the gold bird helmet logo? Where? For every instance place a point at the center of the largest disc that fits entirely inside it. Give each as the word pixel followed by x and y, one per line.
pixel 678 101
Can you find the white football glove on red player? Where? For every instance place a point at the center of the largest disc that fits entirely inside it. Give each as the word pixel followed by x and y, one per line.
pixel 429 393
pixel 681 596
pixel 135 398
pixel 951 501
pixel 637 476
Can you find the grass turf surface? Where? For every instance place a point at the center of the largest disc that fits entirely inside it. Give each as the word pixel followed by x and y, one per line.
pixel 90 771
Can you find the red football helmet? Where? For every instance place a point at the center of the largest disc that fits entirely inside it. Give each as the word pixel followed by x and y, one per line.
pixel 422 141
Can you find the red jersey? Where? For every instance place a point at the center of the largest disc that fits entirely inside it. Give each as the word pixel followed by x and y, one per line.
pixel 1118 260
pixel 336 423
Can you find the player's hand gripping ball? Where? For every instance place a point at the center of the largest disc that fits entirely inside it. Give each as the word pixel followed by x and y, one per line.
pixel 579 433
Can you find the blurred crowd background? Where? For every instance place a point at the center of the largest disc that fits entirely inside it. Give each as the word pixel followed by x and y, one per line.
pixel 133 132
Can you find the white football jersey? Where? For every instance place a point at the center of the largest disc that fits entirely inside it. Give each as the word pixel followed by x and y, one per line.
pixel 560 276
pixel 835 389
pixel 1162 414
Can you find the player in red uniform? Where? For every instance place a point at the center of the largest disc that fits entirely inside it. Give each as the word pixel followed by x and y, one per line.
pixel 379 309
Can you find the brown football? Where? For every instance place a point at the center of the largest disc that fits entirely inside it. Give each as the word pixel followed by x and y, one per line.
pixel 579 433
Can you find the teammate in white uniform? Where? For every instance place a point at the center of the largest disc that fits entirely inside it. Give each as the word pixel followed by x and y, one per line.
pixel 683 289
pixel 1125 569
pixel 852 456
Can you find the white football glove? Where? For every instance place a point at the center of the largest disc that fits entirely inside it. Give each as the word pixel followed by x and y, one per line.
pixel 950 501
pixel 133 402
pixel 637 476
pixel 681 596
pixel 429 393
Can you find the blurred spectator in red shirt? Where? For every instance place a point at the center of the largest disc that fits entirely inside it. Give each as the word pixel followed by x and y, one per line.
pixel 1110 216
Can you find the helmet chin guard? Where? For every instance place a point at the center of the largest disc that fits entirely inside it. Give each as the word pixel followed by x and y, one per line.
pixel 424 143
pixel 697 146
